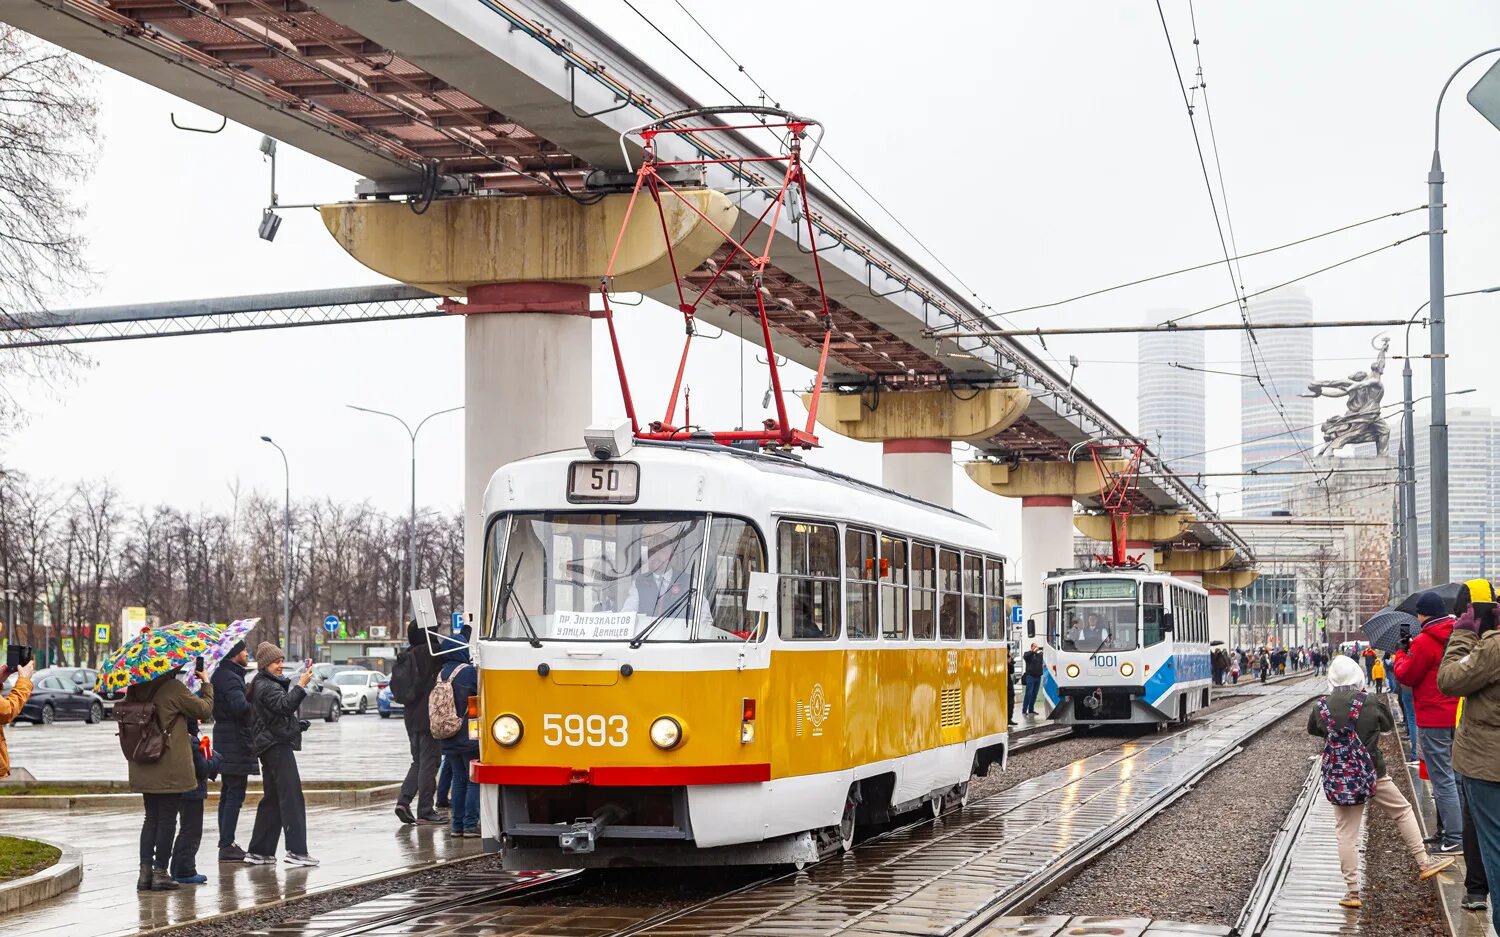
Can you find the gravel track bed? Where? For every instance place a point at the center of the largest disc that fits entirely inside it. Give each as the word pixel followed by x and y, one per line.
pixel 1396 902
pixel 1220 833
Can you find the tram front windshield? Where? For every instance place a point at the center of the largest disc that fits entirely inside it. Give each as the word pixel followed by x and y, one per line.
pixel 620 576
pixel 1099 615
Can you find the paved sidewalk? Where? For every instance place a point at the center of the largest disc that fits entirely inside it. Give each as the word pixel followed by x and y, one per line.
pixel 352 844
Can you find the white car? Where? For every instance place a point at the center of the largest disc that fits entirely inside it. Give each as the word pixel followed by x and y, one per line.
pixel 359 690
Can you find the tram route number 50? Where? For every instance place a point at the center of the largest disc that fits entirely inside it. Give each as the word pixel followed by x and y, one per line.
pixel 577 731
pixel 603 481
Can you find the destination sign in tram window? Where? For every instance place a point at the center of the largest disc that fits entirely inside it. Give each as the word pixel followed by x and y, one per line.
pixel 604 482
pixel 1086 589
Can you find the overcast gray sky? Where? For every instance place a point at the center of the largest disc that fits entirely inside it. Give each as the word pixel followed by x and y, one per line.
pixel 1039 148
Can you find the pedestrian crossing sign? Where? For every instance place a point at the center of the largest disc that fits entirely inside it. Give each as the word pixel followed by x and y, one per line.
pixel 67 645
pixel 101 634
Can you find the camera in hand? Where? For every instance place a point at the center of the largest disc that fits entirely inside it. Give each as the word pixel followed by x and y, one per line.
pixel 18 656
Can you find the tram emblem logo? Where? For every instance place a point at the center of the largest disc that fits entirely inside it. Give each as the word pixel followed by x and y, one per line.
pixel 814 712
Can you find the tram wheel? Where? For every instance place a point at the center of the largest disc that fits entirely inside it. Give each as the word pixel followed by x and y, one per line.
pixel 847 822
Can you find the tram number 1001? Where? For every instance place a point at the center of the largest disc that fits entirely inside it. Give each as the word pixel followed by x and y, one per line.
pixel 578 731
pixel 1106 661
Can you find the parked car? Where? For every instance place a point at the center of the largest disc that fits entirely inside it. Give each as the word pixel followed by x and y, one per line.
pixel 322 703
pixel 388 703
pixel 360 689
pixel 55 695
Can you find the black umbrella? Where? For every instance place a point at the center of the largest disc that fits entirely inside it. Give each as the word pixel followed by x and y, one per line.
pixel 1448 592
pixel 1388 627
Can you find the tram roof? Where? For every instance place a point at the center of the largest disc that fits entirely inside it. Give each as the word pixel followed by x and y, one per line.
pixel 803 491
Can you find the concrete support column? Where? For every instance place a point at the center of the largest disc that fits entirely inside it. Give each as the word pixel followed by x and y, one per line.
pixel 527 389
pixel 1145 549
pixel 1046 544
pixel 1218 615
pixel 922 468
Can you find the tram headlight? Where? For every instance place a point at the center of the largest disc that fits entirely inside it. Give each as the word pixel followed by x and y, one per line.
pixel 506 730
pixel 1127 669
pixel 1073 670
pixel 666 733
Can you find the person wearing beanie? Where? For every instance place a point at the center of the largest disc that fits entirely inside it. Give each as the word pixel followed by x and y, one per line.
pixel 1416 666
pixel 1346 681
pixel 1471 669
pixel 234 745
pixel 276 736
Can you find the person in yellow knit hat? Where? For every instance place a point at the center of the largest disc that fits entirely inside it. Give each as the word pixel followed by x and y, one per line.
pixel 1470 670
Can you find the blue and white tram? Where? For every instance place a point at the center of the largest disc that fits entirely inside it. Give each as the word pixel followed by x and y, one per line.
pixel 1125 646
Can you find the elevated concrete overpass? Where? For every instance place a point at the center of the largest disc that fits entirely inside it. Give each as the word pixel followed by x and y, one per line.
pixel 484 99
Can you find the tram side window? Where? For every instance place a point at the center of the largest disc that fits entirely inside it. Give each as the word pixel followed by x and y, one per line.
pixel 994 599
pixel 973 597
pixel 736 551
pixel 894 588
pixel 950 603
pixel 808 561
pixel 861 574
pixel 1053 617
pixel 1151 614
pixel 923 591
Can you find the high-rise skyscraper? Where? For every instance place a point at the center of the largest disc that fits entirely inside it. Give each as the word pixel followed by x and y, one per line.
pixel 1473 518
pixel 1273 439
pixel 1171 400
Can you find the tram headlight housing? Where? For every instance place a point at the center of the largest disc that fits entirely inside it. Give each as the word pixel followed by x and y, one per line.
pixel 666 733
pixel 1127 669
pixel 506 730
pixel 1073 670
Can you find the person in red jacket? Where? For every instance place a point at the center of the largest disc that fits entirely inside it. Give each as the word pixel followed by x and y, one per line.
pixel 1416 666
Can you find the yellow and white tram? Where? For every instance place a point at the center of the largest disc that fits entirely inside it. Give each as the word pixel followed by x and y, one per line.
pixel 694 654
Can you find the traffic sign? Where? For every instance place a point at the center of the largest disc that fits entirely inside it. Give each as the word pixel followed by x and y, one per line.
pixel 101 634
pixel 331 624
pixel 458 622
pixel 67 645
pixel 1017 616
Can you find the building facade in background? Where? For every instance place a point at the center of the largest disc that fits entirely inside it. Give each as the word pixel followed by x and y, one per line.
pixel 1172 400
pixel 1474 521
pixel 1273 440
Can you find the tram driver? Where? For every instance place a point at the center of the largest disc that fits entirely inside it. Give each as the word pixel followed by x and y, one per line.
pixel 665 578
pixel 1091 634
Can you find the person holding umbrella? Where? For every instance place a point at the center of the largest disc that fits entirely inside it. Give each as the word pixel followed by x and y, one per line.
pixel 154 733
pixel 1470 668
pixel 1416 666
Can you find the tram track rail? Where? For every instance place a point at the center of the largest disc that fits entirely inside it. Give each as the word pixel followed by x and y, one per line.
pixel 895 844
pixel 1256 913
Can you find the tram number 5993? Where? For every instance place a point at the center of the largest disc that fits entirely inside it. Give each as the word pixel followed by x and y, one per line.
pixel 577 731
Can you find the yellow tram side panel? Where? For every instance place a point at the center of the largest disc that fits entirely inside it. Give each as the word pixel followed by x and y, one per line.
pixel 817 711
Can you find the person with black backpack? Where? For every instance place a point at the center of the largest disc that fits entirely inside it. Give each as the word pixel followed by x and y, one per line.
pixel 155 739
pixel 412 678
pixel 1354 774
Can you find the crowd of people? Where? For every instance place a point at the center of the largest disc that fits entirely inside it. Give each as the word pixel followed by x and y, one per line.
pixel 257 731
pixel 1445 679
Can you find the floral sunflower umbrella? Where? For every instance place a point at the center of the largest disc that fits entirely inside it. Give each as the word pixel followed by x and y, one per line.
pixel 157 651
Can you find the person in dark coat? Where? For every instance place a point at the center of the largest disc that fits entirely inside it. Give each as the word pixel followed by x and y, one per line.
pixel 162 783
pixel 276 738
pixel 232 742
pixel 1032 678
pixel 460 749
pixel 421 777
pixel 184 867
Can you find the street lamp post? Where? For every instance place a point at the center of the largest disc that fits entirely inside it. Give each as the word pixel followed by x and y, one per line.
pixel 286 540
pixel 411 534
pixel 1438 435
pixel 1406 468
